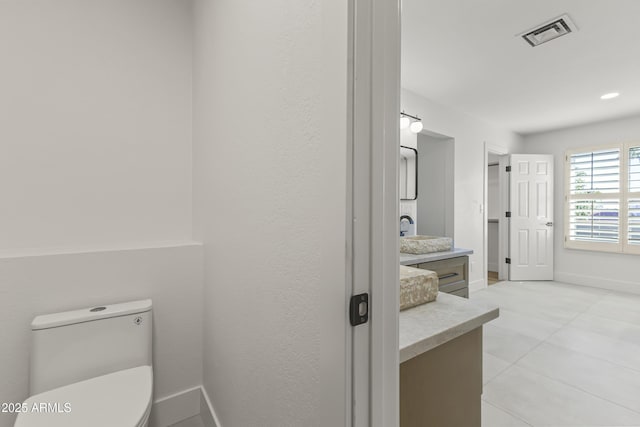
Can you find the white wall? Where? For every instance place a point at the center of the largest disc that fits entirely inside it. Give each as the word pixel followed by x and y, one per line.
pixel 619 271
pixel 95 124
pixel 171 277
pixel 470 134
pixel 95 161
pixel 435 186
pixel 270 200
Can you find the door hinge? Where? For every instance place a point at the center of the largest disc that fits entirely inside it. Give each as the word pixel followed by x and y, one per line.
pixel 507 260
pixel 507 214
pixel 359 309
pixel 508 168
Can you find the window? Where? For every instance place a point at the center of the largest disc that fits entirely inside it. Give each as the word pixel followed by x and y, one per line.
pixel 602 198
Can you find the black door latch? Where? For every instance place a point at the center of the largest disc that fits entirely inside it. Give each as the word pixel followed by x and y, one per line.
pixel 359 309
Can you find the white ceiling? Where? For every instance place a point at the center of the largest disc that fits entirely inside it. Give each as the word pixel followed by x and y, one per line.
pixel 466 54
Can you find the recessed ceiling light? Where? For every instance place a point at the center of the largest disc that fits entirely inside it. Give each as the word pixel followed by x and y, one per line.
pixel 610 95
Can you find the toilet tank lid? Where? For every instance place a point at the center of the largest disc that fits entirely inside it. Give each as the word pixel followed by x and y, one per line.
pixel 90 314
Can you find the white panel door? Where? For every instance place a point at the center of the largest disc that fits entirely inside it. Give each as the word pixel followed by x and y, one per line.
pixel 531 222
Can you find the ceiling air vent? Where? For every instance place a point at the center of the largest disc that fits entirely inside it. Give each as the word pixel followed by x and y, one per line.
pixel 551 30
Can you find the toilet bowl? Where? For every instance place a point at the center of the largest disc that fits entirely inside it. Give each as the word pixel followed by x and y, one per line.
pixel 91 367
pixel 120 399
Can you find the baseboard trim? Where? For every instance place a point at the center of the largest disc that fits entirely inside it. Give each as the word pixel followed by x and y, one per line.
pixel 208 414
pixel 493 266
pixel 598 282
pixel 180 406
pixel 477 285
pixel 177 407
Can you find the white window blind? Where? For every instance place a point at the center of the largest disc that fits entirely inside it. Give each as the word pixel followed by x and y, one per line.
pixel 633 198
pixel 602 198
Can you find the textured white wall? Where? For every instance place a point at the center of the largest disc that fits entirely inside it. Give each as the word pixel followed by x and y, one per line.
pixel 270 200
pixel 585 267
pixel 171 277
pixel 95 122
pixel 470 134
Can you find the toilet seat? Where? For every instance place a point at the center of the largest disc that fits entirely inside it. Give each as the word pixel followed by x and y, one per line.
pixel 120 399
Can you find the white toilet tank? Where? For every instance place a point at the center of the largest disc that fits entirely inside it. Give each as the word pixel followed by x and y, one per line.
pixel 81 344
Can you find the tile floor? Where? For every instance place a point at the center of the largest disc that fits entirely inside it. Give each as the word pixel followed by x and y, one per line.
pixel 561 355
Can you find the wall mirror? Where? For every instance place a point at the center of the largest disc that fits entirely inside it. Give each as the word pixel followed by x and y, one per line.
pixel 408 173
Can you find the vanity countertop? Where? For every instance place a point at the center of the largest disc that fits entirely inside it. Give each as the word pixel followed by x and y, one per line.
pixel 427 326
pixel 411 259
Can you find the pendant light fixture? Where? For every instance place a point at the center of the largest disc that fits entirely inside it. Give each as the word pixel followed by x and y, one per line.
pixel 414 123
pixel 405 122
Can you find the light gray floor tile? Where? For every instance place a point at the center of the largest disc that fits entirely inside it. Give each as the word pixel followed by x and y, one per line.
pixel 584 372
pixel 616 308
pixel 525 324
pixel 603 379
pixel 633 299
pixel 609 327
pixel 496 417
pixel 506 344
pixel 600 346
pixel 528 303
pixel 582 294
pixel 190 422
pixel 492 366
pixel 542 401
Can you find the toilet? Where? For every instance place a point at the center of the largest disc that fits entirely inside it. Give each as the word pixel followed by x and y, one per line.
pixel 91 367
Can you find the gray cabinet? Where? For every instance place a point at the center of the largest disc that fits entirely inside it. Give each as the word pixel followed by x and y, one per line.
pixel 453 274
pixel 443 386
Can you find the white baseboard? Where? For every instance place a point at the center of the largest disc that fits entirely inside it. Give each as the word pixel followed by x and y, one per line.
pixel 177 407
pixel 493 266
pixel 208 414
pixel 598 282
pixel 477 285
pixel 180 406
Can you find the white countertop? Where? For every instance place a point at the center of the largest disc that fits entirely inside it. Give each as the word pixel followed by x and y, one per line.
pixel 411 259
pixel 427 326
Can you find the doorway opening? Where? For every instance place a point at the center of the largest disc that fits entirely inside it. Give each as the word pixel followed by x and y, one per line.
pixel 496 200
pixel 524 216
pixel 493 218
